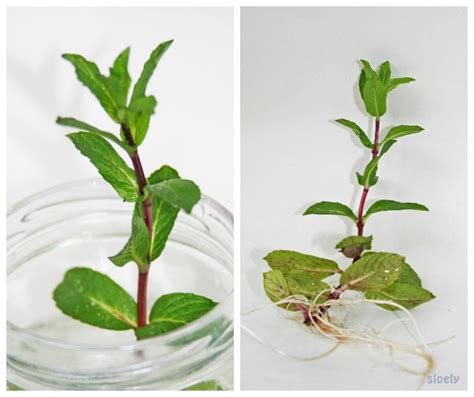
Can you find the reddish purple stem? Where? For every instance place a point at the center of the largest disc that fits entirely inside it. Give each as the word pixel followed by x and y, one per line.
pixel 147 217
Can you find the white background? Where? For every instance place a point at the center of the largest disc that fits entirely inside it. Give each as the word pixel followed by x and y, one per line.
pixel 192 127
pixel 298 72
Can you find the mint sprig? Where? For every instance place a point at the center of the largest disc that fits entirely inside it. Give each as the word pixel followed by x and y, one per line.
pixel 381 276
pixel 85 294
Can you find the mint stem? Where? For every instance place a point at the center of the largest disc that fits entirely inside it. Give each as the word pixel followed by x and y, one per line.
pixel 147 217
pixel 360 221
pixel 141 299
pixel 323 309
pixel 365 192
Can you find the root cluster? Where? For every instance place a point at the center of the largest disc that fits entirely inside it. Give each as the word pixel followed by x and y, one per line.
pixel 320 319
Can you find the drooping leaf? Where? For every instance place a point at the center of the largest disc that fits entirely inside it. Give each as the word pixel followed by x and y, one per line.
pixel 94 298
pixel 89 74
pixel 330 208
pixel 292 262
pixel 364 139
pixel 406 295
pixel 137 248
pixel 373 272
pixel 71 122
pixel 173 311
pixel 179 193
pixel 276 287
pixel 163 214
pixel 401 130
pixel 384 72
pixel 107 161
pixel 353 246
pixel 394 83
pixel 392 205
pixel 139 89
pixel 375 97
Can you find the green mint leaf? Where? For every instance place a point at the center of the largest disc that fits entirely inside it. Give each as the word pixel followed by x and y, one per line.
pixel 369 178
pixel 140 86
pixel 163 214
pixel 401 130
pixel 369 72
pixel 296 262
pixel 375 97
pixel 373 272
pixel 387 146
pixel 164 173
pixel 173 311
pixel 124 256
pixel 385 72
pixel 146 104
pixel 89 74
pixel 119 80
pixel 71 122
pixel 394 83
pixel 408 276
pixel 306 285
pixel 206 385
pixel 353 246
pixel 94 298
pixel 137 247
pixel 364 139
pixel 138 117
pixel 362 81
pixel 361 181
pixel 142 107
pixel 107 161
pixel 391 205
pixel 406 295
pixel 373 90
pixel 276 287
pixel 330 208
pixel 179 193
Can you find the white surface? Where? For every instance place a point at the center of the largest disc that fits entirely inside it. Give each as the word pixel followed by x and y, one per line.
pixel 299 71
pixel 192 128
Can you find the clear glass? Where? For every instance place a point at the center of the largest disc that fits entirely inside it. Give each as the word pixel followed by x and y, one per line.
pixel 81 224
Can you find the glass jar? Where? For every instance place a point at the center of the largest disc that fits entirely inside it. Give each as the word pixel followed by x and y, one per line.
pixel 81 224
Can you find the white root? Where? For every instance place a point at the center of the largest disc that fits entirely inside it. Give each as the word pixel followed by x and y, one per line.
pixel 322 322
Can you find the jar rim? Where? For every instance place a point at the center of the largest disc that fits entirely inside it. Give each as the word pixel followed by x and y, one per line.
pixel 181 332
